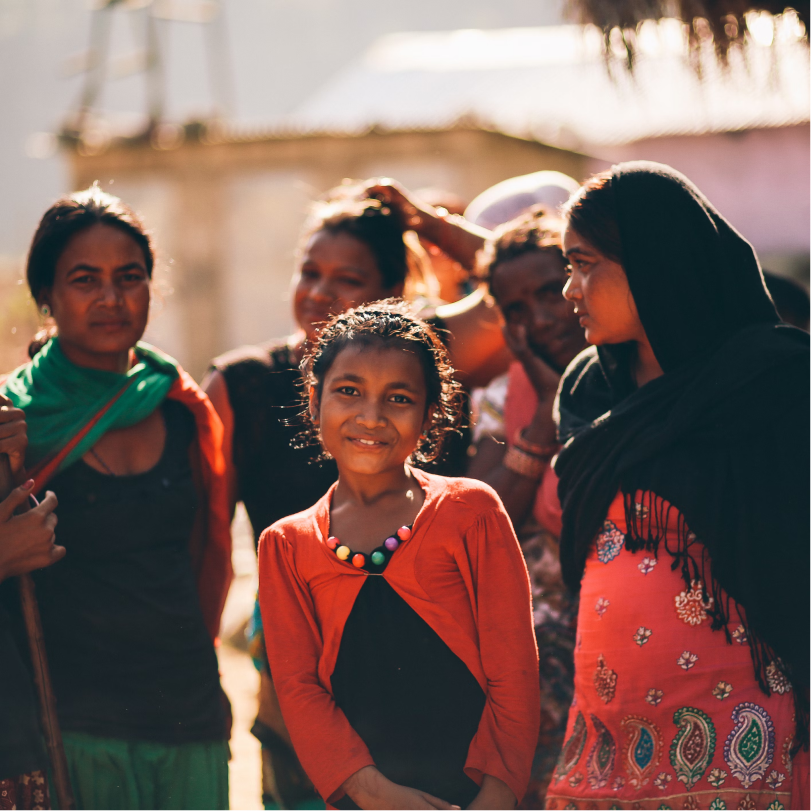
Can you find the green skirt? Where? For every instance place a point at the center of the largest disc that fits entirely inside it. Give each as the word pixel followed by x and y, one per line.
pixel 119 774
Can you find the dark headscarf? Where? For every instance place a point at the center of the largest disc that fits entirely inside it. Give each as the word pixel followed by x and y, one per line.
pixel 722 436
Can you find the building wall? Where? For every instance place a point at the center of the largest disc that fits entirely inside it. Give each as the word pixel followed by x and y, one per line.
pixel 227 217
pixel 758 179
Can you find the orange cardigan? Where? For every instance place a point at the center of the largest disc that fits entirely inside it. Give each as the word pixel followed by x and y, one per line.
pixel 462 571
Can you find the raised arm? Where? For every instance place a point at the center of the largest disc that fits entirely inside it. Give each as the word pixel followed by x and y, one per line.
pixel 517 476
pixel 477 347
pixel 451 233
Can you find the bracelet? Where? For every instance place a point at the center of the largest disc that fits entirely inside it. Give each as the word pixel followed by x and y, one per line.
pixel 523 463
pixel 541 451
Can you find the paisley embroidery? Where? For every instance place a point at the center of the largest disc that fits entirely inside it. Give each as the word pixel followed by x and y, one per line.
pixel 642 750
pixel 694 745
pixel 778 683
pixel 750 746
pixel 600 760
pixel 691 606
pixel 605 680
pixel 572 748
pixel 609 542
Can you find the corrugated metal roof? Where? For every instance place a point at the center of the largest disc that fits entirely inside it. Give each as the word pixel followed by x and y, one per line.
pixel 552 85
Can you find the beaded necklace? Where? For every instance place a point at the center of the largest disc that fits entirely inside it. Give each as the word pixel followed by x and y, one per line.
pixel 376 560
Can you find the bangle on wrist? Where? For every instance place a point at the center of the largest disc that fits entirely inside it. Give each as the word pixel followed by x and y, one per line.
pixel 540 451
pixel 523 463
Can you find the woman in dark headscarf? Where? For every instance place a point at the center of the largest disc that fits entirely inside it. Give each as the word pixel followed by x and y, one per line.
pixel 684 485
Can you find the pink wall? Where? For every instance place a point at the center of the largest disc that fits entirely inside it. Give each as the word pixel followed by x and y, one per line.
pixel 758 179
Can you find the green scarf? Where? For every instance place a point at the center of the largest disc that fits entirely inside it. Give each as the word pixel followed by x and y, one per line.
pixel 59 398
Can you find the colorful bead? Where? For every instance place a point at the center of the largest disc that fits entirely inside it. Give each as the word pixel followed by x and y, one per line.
pixel 332 543
pixel 358 560
pixel 378 558
pixel 342 552
pixel 404 533
pixel 391 543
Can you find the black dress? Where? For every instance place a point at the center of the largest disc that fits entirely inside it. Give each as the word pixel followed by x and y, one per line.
pixel 412 700
pixel 129 653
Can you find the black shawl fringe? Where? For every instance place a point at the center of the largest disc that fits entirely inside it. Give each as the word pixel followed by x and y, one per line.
pixel 647 519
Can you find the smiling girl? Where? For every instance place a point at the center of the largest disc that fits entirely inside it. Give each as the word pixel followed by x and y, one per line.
pixel 401 642
pixel 132 449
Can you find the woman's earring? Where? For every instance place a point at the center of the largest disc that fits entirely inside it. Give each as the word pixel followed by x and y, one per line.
pixel 45 310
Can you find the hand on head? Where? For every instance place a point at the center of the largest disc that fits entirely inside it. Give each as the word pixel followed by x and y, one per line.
pixel 27 541
pixel 411 211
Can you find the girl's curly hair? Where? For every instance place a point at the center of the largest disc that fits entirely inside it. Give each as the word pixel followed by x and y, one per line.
pixel 390 324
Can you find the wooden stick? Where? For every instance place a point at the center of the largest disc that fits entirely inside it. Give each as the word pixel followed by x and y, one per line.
pixel 39 662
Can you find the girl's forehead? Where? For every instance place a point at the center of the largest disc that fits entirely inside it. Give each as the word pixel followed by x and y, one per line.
pixel 379 363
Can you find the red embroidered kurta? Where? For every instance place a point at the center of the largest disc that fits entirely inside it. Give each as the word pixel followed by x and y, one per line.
pixel 461 571
pixel 666 713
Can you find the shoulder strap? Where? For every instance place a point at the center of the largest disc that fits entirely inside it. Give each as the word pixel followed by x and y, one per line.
pixel 43 472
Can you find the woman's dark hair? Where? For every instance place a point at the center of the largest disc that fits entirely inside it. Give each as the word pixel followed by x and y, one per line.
pixel 536 230
pixel 66 218
pixel 591 212
pixel 62 221
pixel 390 324
pixel 369 221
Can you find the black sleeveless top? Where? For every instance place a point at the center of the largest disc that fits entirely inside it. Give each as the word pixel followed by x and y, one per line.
pixel 129 653
pixel 274 479
pixel 411 699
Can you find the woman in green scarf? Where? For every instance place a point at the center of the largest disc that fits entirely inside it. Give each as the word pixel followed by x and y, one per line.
pixel 132 449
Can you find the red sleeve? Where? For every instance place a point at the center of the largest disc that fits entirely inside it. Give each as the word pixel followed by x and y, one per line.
pixel 505 742
pixel 520 403
pixel 329 749
pixel 547 509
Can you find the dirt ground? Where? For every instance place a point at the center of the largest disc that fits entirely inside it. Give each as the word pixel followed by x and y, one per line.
pixel 239 677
